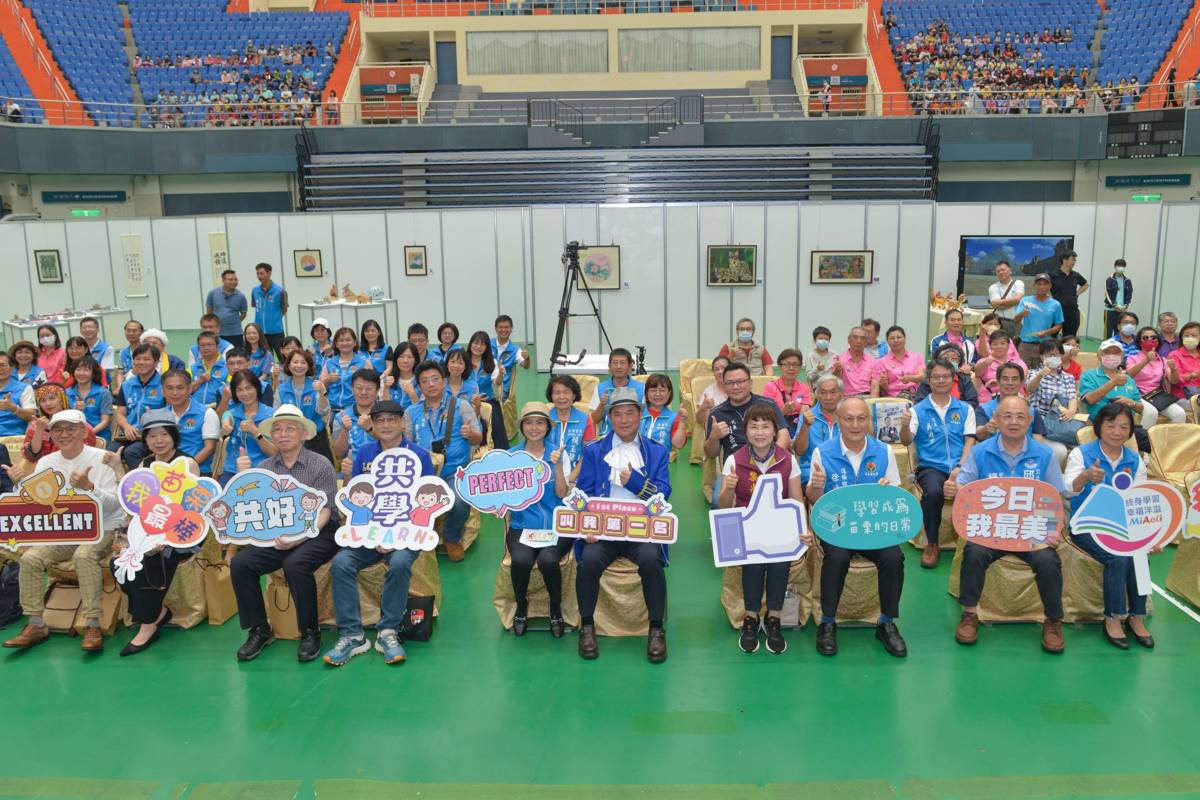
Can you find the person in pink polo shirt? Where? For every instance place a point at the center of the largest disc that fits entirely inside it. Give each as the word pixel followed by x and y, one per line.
pixel 1185 362
pixel 998 353
pixel 856 367
pixel 899 372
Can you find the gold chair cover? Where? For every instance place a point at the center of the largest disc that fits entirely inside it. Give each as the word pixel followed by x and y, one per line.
pixel 947 538
pixel 539 599
pixel 699 384
pixel 587 387
pixel 1184 577
pixel 621 610
pixel 690 369
pixel 799 604
pixel 508 410
pixel 1175 454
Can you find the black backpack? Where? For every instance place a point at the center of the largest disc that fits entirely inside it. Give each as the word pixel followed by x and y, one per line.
pixel 10 594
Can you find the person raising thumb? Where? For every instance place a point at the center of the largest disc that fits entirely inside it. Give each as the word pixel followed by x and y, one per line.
pixel 243 461
pixel 950 487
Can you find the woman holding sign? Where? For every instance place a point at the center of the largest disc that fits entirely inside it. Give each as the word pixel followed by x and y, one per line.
pixel 240 427
pixel 530 538
pixel 761 456
pixel 1088 466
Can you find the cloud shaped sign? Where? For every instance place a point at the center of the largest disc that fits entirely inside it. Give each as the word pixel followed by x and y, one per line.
pixel 502 481
pixel 766 531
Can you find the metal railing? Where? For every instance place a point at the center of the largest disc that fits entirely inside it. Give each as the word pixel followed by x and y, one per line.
pixel 1186 42
pixel 463 8
pixel 579 110
pixel 59 90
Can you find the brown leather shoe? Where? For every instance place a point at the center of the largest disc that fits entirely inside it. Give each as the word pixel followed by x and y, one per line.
pixel 930 556
pixel 656 646
pixel 1052 638
pixel 93 640
pixel 968 628
pixel 455 551
pixel 28 637
pixel 587 642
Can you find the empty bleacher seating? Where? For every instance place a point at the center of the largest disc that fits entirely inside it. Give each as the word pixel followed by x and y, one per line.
pixel 1137 36
pixel 14 86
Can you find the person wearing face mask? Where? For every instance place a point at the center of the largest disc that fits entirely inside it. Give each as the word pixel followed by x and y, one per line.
pixel 987 367
pixel 1127 326
pixel 989 325
pixel 745 350
pixel 1070 348
pixel 1185 362
pixel 1168 340
pixel 954 335
pixel 1152 374
pixel 1109 383
pixel 1052 392
pixel 1118 291
pixel 820 359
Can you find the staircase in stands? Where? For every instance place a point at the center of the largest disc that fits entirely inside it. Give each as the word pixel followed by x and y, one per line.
pixel 348 54
pixel 46 80
pixel 895 100
pixel 1184 56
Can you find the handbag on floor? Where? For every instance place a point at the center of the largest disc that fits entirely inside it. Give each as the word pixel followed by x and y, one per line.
pixel 418 619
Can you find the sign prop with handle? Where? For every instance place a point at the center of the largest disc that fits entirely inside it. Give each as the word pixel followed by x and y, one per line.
pixel 1131 520
pixel 502 481
pixel 866 516
pixel 1016 515
pixel 766 531
pixel 261 508
pixel 40 512
pixel 616 520
pixel 392 507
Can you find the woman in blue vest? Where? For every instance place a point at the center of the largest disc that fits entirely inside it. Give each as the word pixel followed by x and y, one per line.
pixel 77 348
pixel 489 377
pixel 668 428
pixel 535 425
pixel 322 342
pixel 372 345
pixel 568 424
pixel 25 366
pixel 199 426
pixel 339 369
pixel 258 350
pixel 401 378
pixel 88 396
pixel 447 334
pixel 742 471
pixel 458 380
pixel 297 388
pixel 240 427
pixel 140 391
pixel 1088 466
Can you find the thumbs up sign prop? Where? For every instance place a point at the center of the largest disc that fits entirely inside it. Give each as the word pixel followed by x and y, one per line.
pixel 769 529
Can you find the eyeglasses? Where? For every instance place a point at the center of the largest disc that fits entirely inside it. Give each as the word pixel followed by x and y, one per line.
pixel 740 382
pixel 790 364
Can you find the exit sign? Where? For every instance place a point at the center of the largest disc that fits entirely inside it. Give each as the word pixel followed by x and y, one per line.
pixel 86 212
pixel 1146 198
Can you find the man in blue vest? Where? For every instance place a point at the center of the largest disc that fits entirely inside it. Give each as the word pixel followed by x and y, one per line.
pixel 944 429
pixel 270 303
pixel 623 466
pixel 620 366
pixel 854 457
pixel 1012 454
pixel 819 424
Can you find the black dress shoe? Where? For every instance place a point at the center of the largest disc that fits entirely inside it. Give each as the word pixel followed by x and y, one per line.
pixel 557 627
pixel 519 626
pixel 1119 642
pixel 827 638
pixel 132 649
pixel 310 645
pixel 587 642
pixel 258 639
pixel 656 646
pixel 893 642
pixel 1146 641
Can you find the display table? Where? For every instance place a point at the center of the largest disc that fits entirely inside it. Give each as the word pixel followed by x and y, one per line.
pixel 592 364
pixel 112 325
pixel 343 314
pixel 972 318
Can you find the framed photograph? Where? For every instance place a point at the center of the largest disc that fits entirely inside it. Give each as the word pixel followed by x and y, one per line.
pixel 1028 255
pixel 414 260
pixel 732 265
pixel 600 267
pixel 842 266
pixel 49 267
pixel 308 263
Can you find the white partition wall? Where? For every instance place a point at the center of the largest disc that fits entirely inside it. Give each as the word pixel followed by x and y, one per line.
pixel 483 262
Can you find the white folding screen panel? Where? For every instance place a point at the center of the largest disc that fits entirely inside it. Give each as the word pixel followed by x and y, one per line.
pixel 685 283
pixel 839 307
pixel 143 309
pixel 749 228
pixel 471 270
pixel 780 269
pixel 879 297
pixel 181 287
pixel 580 224
pixel 1143 246
pixel 1108 244
pixel 514 292
pixel 637 318
pixel 19 274
pixel 252 239
pixel 419 298
pixel 953 222
pixel 715 309
pixel 1061 219
pixel 914 266
pixel 93 275
pixel 545 251
pixel 1177 287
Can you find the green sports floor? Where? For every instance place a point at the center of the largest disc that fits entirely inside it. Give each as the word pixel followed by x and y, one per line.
pixel 478 713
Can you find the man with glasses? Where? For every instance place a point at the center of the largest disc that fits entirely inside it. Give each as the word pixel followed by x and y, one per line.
pixel 88 469
pixel 1012 454
pixel 725 430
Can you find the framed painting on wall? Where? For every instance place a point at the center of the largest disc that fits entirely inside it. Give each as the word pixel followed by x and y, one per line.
pixel 842 266
pixel 600 268
pixel 308 263
pixel 732 265
pixel 49 266
pixel 414 260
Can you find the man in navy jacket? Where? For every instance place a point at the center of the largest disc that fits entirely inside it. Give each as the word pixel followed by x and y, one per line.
pixel 623 466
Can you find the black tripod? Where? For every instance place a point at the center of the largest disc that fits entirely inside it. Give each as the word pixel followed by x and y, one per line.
pixel 573 274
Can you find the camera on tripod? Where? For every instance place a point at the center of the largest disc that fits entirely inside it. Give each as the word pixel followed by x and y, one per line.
pixel 571 254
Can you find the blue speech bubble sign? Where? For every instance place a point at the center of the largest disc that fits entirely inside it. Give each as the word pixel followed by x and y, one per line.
pixel 502 481
pixel 867 516
pixel 259 507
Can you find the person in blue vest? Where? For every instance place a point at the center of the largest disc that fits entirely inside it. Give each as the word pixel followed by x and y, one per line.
pixel 819 424
pixel 508 353
pixel 133 331
pixel 954 336
pixel 102 351
pixel 25 365
pixel 387 432
pixel 90 397
pixel 1011 454
pixel 761 456
pixel 489 376
pixel 258 350
pixel 321 346
pixel 373 346
pixel 943 428
pixel 534 425
pixel 569 425
pixel 1088 466
pixel 141 391
pixel 668 428
pixel 296 387
pixel 338 370
pixel 209 372
pixel 159 341
pixel 270 303
pixel 620 366
pixel 851 458
pixel 447 334
pixel 243 438
pixel 209 323
pixel 623 466
pixel 17 402
pixel 418 336
pixel 350 429
pixel 199 426
pixel 451 428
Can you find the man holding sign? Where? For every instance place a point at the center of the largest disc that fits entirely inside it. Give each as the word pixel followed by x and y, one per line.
pixel 852 458
pixel 1011 454
pixel 624 466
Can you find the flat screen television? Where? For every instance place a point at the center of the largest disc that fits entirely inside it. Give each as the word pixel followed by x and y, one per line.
pixel 1029 255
